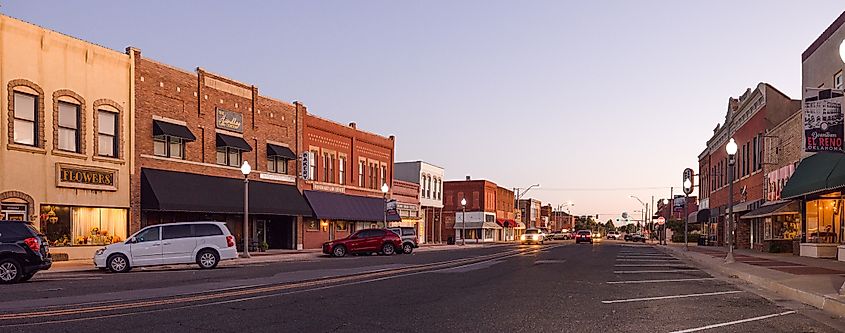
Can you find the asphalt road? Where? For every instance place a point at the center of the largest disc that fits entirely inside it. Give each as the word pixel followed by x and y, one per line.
pixel 608 287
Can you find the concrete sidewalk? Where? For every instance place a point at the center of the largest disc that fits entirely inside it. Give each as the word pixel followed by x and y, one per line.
pixel 812 281
pixel 270 256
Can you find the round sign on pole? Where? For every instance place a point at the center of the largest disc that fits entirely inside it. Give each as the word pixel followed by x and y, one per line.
pixel 661 221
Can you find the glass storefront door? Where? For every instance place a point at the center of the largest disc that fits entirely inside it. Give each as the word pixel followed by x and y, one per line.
pixel 13 212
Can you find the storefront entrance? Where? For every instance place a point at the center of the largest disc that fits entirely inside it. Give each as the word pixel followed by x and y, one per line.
pixel 280 232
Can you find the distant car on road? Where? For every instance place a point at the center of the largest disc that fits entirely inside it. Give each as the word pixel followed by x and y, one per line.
pixel 613 235
pixel 410 241
pixel 203 243
pixel 635 238
pixel 584 236
pixel 382 241
pixel 532 236
pixel 560 235
pixel 23 252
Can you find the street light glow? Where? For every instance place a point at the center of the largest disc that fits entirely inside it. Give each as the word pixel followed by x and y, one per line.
pixel 842 50
pixel 731 147
pixel 463 201
pixel 687 183
pixel 246 169
pixel 384 188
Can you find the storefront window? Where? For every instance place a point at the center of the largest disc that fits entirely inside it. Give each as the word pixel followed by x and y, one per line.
pixel 76 226
pixel 823 220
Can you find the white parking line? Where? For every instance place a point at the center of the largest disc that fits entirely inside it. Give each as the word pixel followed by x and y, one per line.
pixel 660 281
pixel 649 260
pixel 660 271
pixel 653 265
pixel 735 322
pixel 670 297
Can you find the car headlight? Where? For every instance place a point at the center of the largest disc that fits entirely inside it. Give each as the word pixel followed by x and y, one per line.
pixel 522 237
pixel 100 251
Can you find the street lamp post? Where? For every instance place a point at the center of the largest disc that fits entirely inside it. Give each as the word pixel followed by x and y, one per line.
pixel 643 212
pixel 463 221
pixel 384 189
pixel 519 196
pixel 687 188
pixel 731 149
pixel 245 170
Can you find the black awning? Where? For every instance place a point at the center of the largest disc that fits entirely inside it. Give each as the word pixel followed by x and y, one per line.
pixel 280 151
pixel 186 192
pixel 174 130
pixel 701 216
pixel 820 172
pixel 224 140
pixel 336 206
pixel 773 208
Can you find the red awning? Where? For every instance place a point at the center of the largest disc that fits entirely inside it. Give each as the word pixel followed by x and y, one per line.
pixel 506 223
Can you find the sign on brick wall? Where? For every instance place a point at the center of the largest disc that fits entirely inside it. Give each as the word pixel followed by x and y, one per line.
pixel 823 122
pixel 230 121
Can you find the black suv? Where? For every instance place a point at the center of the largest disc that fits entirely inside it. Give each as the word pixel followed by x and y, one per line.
pixel 23 252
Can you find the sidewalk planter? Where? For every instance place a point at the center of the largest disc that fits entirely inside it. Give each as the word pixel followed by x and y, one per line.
pixel 817 250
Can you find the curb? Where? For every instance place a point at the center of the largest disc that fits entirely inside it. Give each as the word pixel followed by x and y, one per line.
pixel 827 303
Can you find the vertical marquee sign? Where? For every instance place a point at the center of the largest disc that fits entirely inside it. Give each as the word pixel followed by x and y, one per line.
pixel 823 122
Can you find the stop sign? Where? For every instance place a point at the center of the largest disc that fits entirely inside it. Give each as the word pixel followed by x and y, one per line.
pixel 661 221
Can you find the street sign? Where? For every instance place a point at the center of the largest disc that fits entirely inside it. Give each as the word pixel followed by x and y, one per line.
pixel 661 221
pixel 688 175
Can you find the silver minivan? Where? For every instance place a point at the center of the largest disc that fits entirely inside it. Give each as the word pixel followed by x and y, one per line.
pixel 203 243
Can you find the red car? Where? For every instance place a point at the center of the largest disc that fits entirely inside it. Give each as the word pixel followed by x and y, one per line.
pixel 365 241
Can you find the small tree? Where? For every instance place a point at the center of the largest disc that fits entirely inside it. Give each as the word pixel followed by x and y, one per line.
pixel 609 225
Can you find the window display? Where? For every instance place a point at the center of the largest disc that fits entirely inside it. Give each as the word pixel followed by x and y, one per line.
pixel 823 220
pixel 79 226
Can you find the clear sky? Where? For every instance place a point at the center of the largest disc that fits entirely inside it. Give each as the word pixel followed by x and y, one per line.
pixel 594 100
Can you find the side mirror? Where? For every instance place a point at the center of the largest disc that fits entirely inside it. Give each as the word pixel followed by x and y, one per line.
pixel 131 240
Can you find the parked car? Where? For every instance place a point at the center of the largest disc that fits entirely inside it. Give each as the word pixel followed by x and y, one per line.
pixel 615 235
pixel 382 241
pixel 635 238
pixel 532 236
pixel 410 241
pixel 23 252
pixel 203 243
pixel 584 236
pixel 560 235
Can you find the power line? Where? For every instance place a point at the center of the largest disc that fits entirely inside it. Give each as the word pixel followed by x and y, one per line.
pixel 599 189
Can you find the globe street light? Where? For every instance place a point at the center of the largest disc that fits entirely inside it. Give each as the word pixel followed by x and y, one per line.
pixel 731 149
pixel 687 189
pixel 246 169
pixel 384 189
pixel 842 50
pixel 463 221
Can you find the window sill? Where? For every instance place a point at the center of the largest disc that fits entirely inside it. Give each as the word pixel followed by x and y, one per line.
pixel 108 159
pixel 25 148
pixel 69 154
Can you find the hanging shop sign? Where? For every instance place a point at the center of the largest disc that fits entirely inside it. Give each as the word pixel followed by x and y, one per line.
pixel 77 176
pixel 230 121
pixel 306 165
pixel 823 122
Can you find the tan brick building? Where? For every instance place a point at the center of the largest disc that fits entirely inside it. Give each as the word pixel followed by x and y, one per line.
pixel 64 140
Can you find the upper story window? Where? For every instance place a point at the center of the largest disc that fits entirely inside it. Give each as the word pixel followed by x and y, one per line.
pixel 361 166
pixel 422 186
pixel 837 80
pixel 168 146
pixel 383 174
pixel 230 150
pixel 26 119
pixel 107 139
pixel 312 165
pixel 277 164
pixel 69 127
pixel 341 168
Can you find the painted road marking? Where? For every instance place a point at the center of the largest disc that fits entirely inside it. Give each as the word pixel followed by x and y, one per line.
pixel 658 271
pixel 653 265
pixel 650 260
pixel 550 261
pixel 735 322
pixel 661 281
pixel 671 297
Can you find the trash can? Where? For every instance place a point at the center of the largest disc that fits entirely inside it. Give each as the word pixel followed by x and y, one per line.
pixel 450 241
pixel 796 247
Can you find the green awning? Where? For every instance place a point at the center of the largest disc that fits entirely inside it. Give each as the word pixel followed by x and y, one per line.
pixel 817 173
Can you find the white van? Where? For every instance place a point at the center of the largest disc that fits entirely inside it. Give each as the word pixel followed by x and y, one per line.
pixel 203 243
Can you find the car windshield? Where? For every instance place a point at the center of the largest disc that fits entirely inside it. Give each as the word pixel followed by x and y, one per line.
pixel 532 231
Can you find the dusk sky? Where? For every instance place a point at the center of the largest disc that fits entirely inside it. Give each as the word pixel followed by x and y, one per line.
pixel 594 100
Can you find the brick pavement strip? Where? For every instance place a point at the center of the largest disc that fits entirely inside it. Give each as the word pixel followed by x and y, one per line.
pixel 807 289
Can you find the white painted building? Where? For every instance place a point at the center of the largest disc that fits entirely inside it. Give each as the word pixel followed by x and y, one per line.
pixel 430 178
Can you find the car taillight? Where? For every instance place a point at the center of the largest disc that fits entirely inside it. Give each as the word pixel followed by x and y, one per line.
pixel 33 243
pixel 230 241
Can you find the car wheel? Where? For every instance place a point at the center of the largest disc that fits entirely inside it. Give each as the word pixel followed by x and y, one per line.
pixel 388 249
pixel 407 248
pixel 118 263
pixel 208 259
pixel 10 271
pixel 339 251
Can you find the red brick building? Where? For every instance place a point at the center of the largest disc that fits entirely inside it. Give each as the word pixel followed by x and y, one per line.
pixel 346 168
pixel 480 224
pixel 407 196
pixel 748 119
pixel 506 215
pixel 191 135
